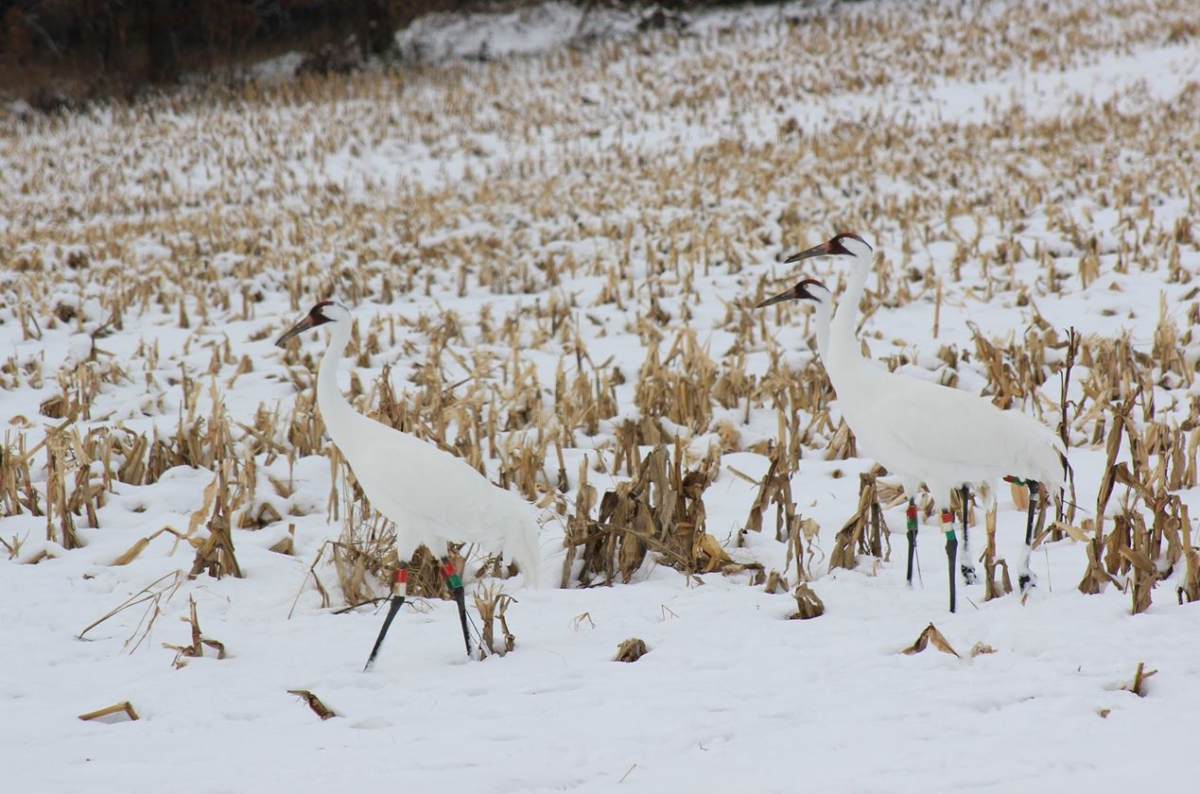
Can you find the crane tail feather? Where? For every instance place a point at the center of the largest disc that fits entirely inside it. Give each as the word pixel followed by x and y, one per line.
pixel 522 548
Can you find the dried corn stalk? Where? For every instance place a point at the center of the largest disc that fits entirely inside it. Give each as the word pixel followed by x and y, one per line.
pixel 931 636
pixel 864 532
pixel 1137 685
pixel 492 606
pixel 775 488
pixel 662 510
pixel 808 604
pixel 124 707
pixel 215 555
pixel 1189 589
pixel 314 703
pixel 631 650
pixel 994 587
pixel 199 641
pixel 1095 577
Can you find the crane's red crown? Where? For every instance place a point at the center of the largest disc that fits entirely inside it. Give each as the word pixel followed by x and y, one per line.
pixel 318 315
pixel 837 244
pixel 834 247
pixel 802 290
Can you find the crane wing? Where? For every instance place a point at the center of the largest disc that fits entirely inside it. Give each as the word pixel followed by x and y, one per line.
pixel 948 437
pixel 435 497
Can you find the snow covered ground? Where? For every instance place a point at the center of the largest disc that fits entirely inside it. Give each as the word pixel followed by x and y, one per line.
pixel 571 210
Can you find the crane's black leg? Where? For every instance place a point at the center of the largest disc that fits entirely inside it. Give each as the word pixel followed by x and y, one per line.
pixel 399 591
pixel 911 516
pixel 968 566
pixel 1025 577
pixel 951 552
pixel 456 589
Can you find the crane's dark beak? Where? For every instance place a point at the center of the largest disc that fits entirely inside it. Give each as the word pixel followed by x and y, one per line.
pixel 295 330
pixel 789 295
pixel 816 250
pixel 796 293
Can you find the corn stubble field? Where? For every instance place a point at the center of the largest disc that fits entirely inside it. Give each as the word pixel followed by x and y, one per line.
pixel 553 263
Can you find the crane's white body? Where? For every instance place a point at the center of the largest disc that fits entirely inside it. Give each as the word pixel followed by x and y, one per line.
pixel 433 497
pixel 921 430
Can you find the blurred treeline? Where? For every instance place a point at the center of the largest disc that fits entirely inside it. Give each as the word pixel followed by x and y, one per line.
pixel 83 48
pixel 58 52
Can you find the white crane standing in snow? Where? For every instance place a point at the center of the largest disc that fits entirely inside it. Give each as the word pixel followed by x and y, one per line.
pixel 923 431
pixel 433 497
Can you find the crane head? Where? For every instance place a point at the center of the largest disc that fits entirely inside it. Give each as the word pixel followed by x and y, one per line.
pixel 323 312
pixel 807 290
pixel 844 244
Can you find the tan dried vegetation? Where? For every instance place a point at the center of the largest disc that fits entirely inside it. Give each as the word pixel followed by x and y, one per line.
pixel 585 207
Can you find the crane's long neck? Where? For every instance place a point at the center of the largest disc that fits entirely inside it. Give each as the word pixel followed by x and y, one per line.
pixel 334 405
pixel 843 347
pixel 824 316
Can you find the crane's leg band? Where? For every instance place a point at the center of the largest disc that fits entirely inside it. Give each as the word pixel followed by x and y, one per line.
pixel 948 526
pixel 453 581
pixel 911 520
pixel 951 553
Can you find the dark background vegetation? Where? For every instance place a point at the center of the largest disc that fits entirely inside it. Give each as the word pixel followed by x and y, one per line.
pixel 59 52
pixel 80 48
